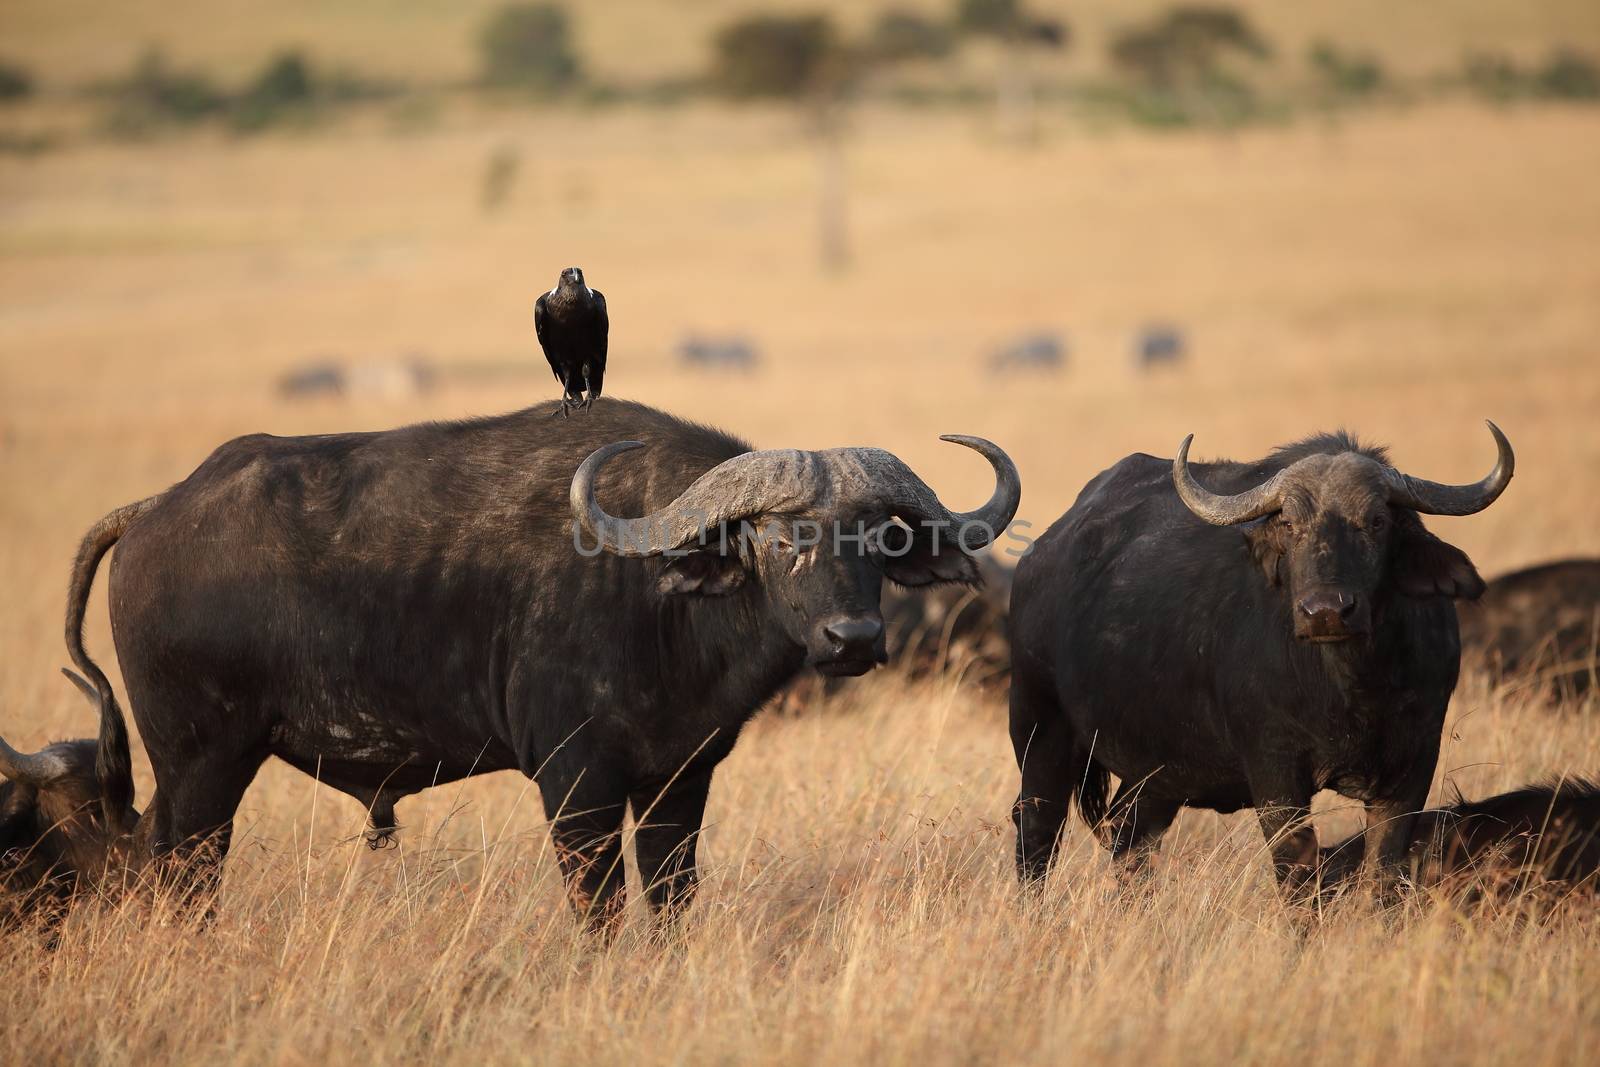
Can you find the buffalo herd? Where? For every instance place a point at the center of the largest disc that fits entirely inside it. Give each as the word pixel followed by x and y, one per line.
pixel 602 603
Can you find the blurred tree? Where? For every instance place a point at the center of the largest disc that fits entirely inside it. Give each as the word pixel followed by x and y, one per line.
pixel 1186 44
pixel 1569 75
pixel 153 95
pixel 1019 33
pixel 287 77
pixel 15 82
pixel 1181 59
pixel 789 56
pixel 285 90
pixel 799 58
pixel 1566 74
pixel 1343 73
pixel 1492 75
pixel 529 46
pixel 994 17
pixel 898 36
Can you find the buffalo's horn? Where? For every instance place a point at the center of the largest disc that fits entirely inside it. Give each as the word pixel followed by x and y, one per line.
pixel 995 515
pixel 1433 498
pixel 749 484
pixel 82 685
pixel 40 768
pixel 1223 510
pixel 789 480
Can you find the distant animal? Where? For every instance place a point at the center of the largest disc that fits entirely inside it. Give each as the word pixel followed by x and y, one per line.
pixel 391 379
pixel 730 353
pixel 322 378
pixel 1542 622
pixel 1229 635
pixel 574 330
pixel 1036 351
pixel 390 611
pixel 1158 345
pixel 1537 834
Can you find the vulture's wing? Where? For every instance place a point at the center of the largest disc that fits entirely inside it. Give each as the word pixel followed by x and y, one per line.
pixel 603 327
pixel 538 329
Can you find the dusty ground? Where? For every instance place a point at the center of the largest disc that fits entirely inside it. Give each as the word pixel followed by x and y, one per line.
pixel 1406 274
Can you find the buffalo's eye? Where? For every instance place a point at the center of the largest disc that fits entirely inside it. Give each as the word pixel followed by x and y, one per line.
pixel 1378 523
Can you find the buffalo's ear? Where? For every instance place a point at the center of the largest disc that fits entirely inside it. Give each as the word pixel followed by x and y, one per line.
pixel 929 562
pixel 1424 566
pixel 1269 545
pixel 701 573
pixel 16 814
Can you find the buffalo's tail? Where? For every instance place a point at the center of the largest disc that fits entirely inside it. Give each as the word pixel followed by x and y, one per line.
pixel 113 762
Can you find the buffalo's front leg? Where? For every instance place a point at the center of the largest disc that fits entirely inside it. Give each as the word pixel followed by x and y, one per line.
pixel 1392 816
pixel 586 826
pixel 1390 825
pixel 1287 826
pixel 668 820
pixel 1282 801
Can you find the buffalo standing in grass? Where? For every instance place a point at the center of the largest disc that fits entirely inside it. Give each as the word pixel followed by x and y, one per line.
pixel 391 611
pixel 1230 635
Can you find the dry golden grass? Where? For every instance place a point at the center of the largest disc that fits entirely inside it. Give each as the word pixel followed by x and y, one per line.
pixel 1407 275
pixel 859 907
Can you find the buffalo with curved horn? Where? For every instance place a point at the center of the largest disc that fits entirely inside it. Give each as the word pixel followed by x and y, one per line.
pixel 56 835
pixel 1230 635
pixel 390 611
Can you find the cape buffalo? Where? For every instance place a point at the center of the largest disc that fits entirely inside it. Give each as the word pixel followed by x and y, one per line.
pixel 1541 622
pixel 390 611
pixel 1540 833
pixel 1287 629
pixel 54 837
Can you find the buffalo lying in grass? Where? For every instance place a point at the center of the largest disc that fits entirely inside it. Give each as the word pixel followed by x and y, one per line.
pixel 54 836
pixel 1538 835
pixel 1540 625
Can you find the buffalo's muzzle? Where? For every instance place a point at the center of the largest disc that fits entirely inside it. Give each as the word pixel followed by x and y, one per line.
pixel 851 645
pixel 1329 615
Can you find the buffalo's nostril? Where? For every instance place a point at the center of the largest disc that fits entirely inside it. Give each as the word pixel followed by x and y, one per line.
pixel 1329 615
pixel 854 633
pixel 1340 604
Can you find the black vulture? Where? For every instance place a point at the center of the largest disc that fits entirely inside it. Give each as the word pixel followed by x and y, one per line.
pixel 572 326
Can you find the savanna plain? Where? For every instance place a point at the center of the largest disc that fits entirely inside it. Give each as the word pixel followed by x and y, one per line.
pixel 1406 273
